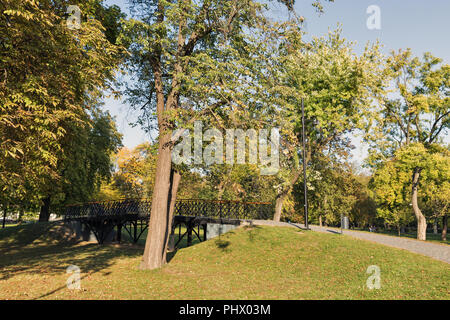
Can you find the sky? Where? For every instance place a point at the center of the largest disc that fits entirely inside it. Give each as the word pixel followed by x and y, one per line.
pixel 417 24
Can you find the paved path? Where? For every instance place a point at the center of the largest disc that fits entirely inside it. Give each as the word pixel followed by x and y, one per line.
pixel 434 250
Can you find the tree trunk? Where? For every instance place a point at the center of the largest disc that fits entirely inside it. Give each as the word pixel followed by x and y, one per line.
pixel 5 208
pixel 325 205
pixel 282 195
pixel 21 211
pixel 421 221
pixel 155 245
pixel 175 178
pixel 279 207
pixel 435 226
pixel 44 215
pixel 444 228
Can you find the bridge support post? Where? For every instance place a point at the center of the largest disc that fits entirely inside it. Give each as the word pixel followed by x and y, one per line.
pixel 189 233
pixel 135 237
pixel 119 233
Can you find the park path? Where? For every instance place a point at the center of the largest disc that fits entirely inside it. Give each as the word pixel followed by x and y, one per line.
pixel 434 250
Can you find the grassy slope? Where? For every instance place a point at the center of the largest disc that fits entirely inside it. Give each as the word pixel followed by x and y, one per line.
pixel 256 263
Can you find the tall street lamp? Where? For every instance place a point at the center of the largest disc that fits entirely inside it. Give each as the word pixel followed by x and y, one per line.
pixel 304 168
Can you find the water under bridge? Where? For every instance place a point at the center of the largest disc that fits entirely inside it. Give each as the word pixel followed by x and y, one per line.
pixel 108 218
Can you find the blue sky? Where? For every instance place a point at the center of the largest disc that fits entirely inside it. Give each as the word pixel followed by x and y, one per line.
pixel 417 24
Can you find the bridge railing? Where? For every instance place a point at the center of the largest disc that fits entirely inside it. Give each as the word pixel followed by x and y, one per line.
pixel 222 209
pixel 139 207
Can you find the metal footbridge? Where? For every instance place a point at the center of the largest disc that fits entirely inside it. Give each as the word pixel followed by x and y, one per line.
pixel 133 215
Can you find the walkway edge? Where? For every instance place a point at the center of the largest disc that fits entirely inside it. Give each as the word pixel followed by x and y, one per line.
pixel 436 251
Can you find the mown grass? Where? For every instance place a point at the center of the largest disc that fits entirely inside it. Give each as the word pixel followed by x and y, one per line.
pixel 247 263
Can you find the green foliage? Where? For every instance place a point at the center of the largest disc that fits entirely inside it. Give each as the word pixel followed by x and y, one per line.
pixel 335 190
pixel 239 182
pixel 406 133
pixel 206 60
pixel 90 162
pixel 50 76
pixel 135 174
pixel 415 110
pixel 392 182
pixel 193 53
pixel 336 86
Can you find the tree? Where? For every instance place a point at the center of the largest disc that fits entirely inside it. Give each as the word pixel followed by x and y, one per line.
pixel 91 160
pixel 336 87
pixel 417 113
pixel 171 46
pixel 391 194
pixel 439 202
pixel 436 190
pixel 81 174
pixel 192 61
pixel 363 212
pixel 50 76
pixel 395 186
pixel 335 190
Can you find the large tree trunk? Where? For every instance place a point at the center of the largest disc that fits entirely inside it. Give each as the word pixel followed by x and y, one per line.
pixel 320 220
pixel 279 207
pixel 155 245
pixel 444 228
pixel 421 221
pixel 158 229
pixel 44 215
pixel 175 179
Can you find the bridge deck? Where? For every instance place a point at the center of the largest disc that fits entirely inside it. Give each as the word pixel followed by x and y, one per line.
pixel 133 215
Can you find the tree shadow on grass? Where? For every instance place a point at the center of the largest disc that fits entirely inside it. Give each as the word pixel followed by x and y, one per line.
pixel 170 255
pixel 40 248
pixel 333 231
pixel 55 259
pixel 222 245
pixel 22 235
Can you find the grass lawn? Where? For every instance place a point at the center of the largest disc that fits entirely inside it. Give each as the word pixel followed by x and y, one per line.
pixel 248 263
pixel 7 225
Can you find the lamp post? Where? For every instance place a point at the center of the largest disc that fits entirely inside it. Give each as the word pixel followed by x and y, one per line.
pixel 304 168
